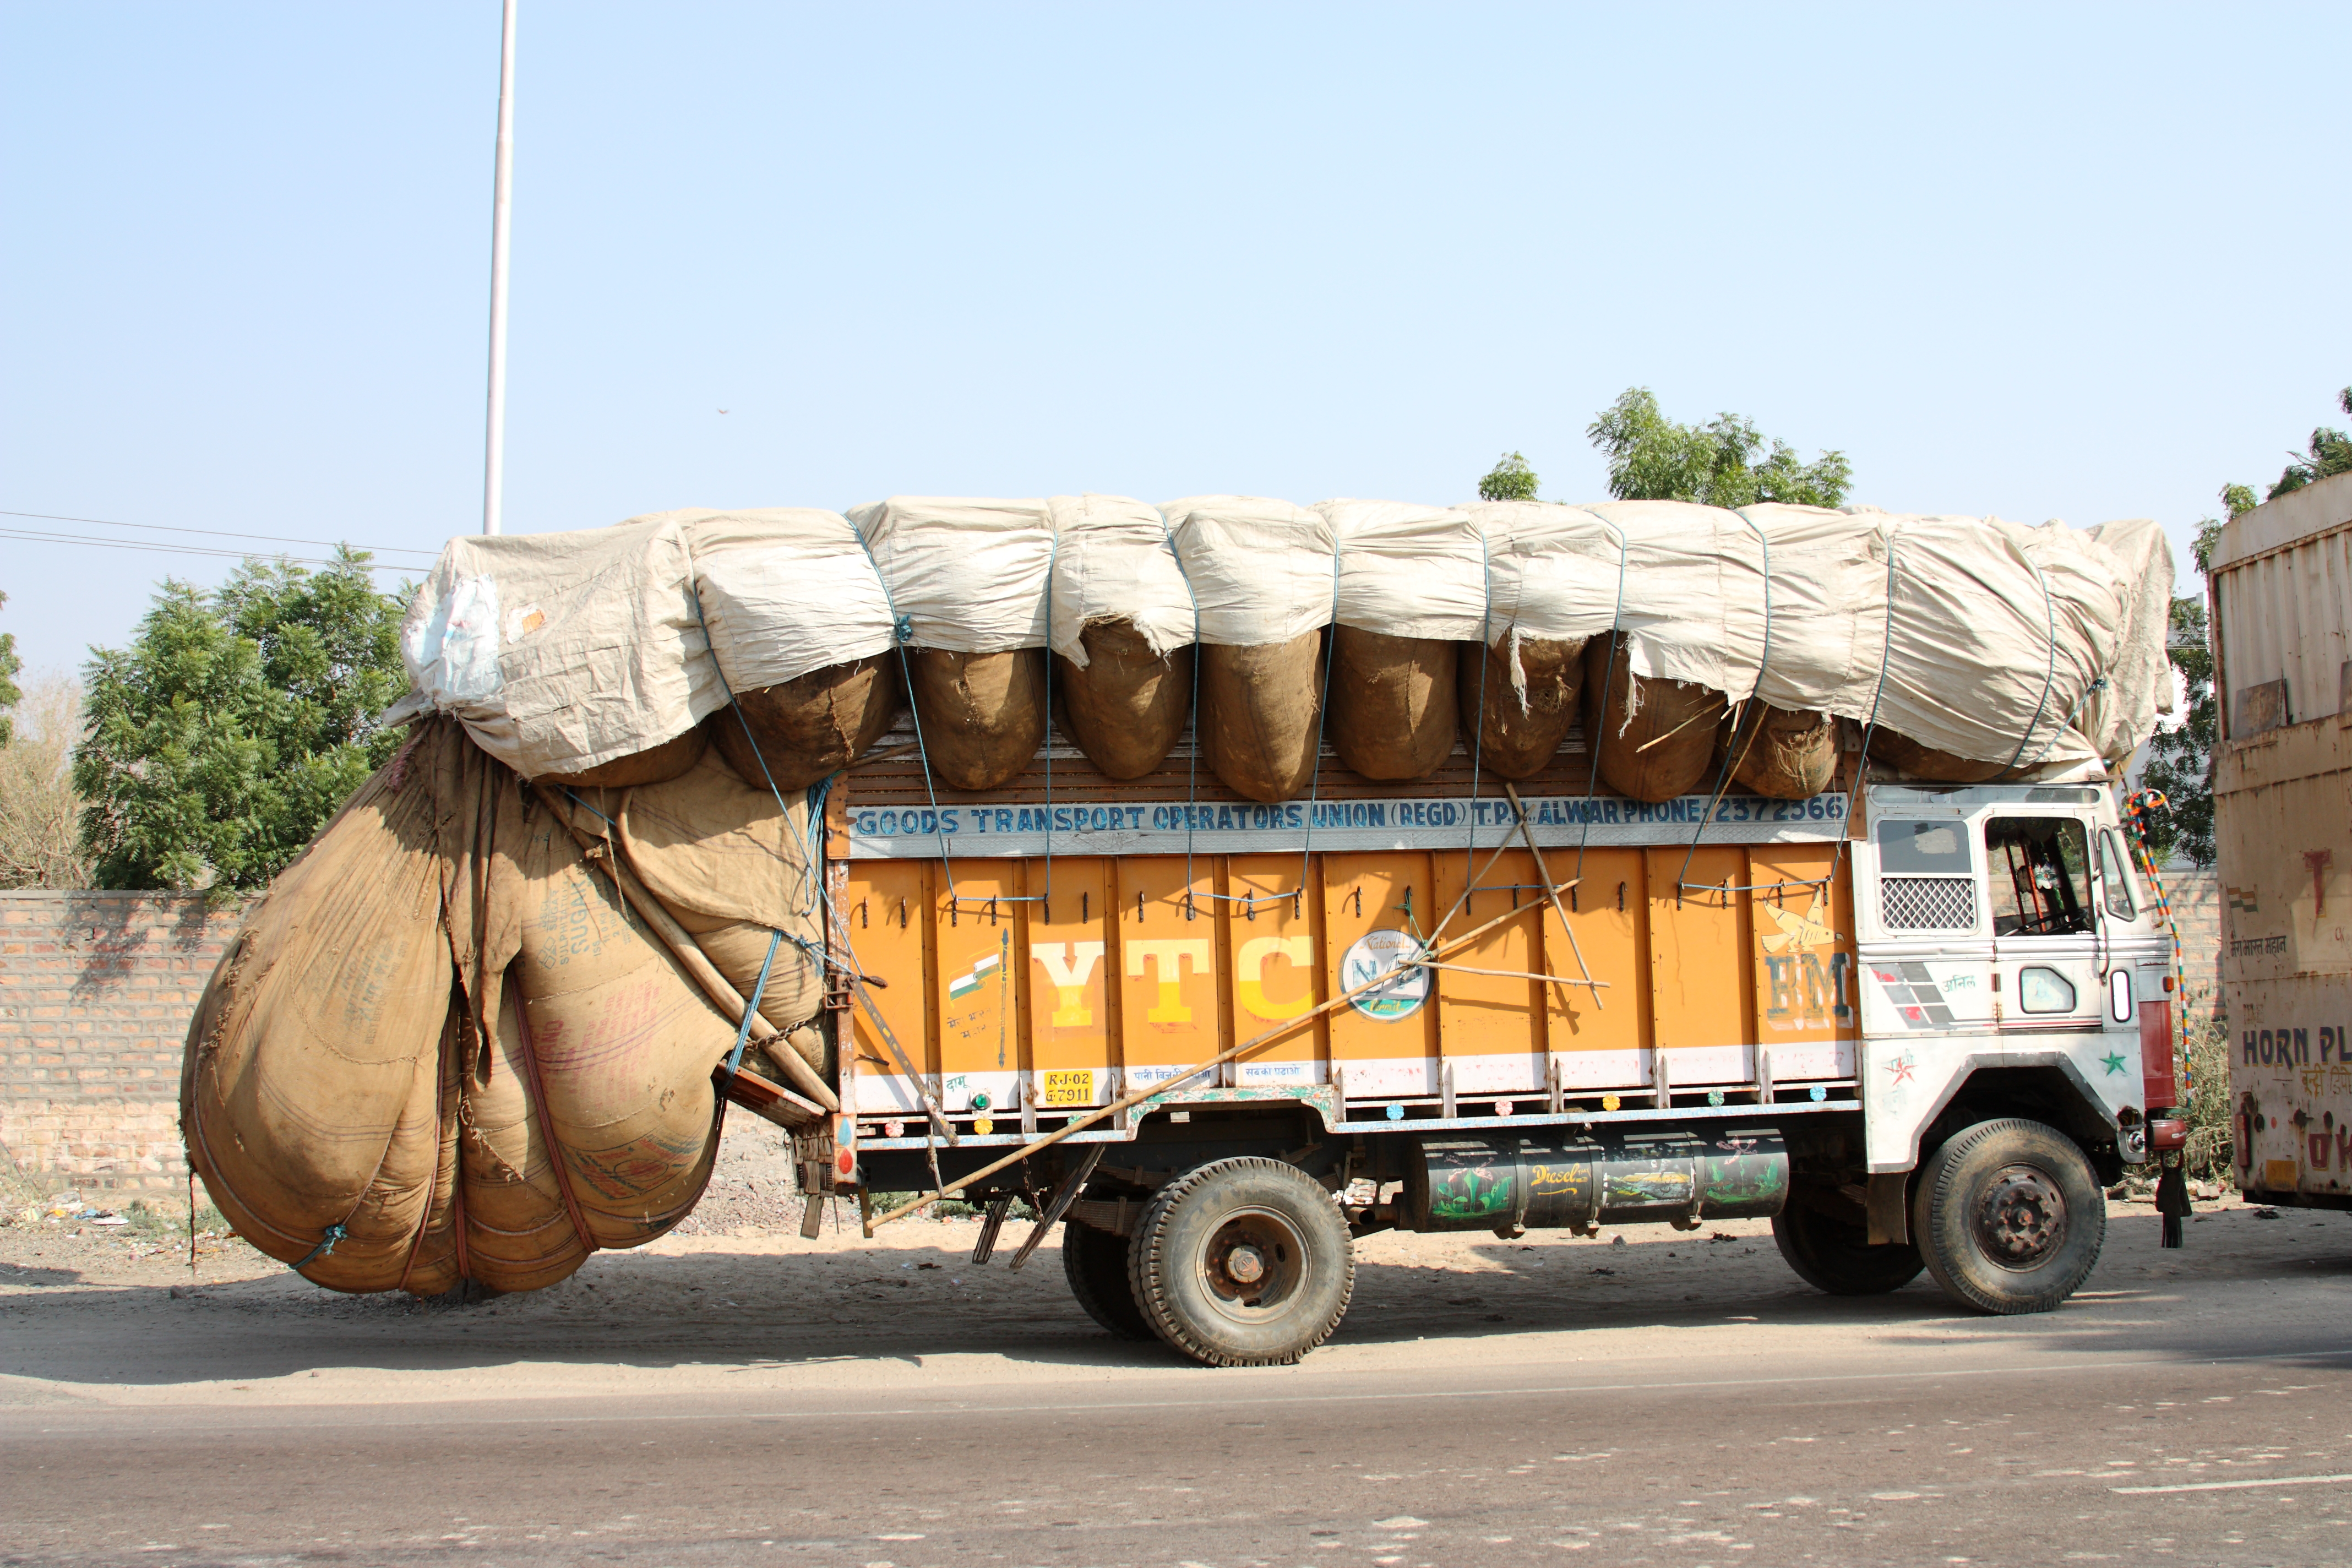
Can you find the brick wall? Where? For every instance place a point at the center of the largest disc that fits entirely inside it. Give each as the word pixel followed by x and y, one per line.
pixel 2196 900
pixel 96 991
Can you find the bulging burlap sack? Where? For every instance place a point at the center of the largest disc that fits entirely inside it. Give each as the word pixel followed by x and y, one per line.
pixel 1258 710
pixel 308 1094
pixel 1656 737
pixel 1392 709
pixel 1912 759
pixel 811 726
pixel 733 868
pixel 655 764
pixel 1785 755
pixel 982 714
pixel 1127 705
pixel 612 1049
pixel 1525 691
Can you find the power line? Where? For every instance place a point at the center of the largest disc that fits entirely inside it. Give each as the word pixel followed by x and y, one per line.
pixel 34 537
pixel 222 533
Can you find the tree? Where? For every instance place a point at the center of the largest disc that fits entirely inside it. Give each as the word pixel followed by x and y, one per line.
pixel 9 694
pixel 40 844
pixel 2329 452
pixel 2180 761
pixel 1651 458
pixel 1509 479
pixel 234 724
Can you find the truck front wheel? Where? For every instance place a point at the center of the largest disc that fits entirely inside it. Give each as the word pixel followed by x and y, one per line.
pixel 1244 1262
pixel 2010 1216
pixel 1834 1255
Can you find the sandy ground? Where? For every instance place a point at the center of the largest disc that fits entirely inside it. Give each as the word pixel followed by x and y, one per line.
pixel 737 1293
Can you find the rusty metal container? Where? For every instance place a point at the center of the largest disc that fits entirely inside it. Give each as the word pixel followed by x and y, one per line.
pixel 2282 603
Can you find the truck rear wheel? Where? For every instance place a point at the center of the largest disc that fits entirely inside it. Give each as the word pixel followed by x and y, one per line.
pixel 1094 1262
pixel 1244 1262
pixel 1832 1255
pixel 2010 1216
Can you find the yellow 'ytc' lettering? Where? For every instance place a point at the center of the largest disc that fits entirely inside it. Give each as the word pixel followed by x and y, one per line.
pixel 1168 954
pixel 1249 962
pixel 1069 965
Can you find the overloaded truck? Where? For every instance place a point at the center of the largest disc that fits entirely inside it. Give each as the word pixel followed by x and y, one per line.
pixel 1227 880
pixel 2281 622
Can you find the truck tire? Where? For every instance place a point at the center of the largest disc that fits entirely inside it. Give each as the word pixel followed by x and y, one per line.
pixel 1830 1254
pixel 2010 1216
pixel 1094 1263
pixel 1242 1262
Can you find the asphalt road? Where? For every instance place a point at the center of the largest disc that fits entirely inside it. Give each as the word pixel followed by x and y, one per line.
pixel 2191 1407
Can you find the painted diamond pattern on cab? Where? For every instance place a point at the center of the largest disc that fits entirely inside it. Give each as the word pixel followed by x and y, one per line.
pixel 1916 996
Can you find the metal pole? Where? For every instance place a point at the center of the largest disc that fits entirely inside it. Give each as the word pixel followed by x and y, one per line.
pixel 493 461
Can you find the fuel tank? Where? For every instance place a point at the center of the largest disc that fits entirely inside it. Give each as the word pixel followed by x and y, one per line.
pixel 1576 1182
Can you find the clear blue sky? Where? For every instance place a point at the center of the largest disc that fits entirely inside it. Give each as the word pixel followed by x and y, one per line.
pixel 2039 261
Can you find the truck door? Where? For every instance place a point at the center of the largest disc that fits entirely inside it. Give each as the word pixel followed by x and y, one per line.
pixel 2045 933
pixel 1928 967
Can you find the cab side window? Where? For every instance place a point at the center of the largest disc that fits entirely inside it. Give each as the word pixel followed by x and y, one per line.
pixel 2040 875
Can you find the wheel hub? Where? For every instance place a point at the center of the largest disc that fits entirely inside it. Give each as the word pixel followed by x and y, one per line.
pixel 1254 1265
pixel 2022 1217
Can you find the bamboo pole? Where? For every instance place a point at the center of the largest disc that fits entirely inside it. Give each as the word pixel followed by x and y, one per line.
pixel 696 962
pixel 1165 1085
pixel 1527 832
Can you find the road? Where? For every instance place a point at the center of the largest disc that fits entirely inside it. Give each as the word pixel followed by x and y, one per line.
pixel 724 1399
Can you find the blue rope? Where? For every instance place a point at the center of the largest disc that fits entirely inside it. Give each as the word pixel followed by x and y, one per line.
pixel 1192 764
pixel 335 1233
pixel 902 632
pixel 1601 700
pixel 1322 714
pixel 1763 662
pixel 1478 720
pixel 1885 656
pixel 2050 676
pixel 751 1010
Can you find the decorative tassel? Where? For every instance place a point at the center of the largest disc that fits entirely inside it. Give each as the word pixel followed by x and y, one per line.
pixel 2172 1200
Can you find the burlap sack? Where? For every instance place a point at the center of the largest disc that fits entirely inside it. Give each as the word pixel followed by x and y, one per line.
pixel 518 1234
pixel 652 766
pixel 1258 709
pixel 1393 708
pixel 812 726
pixel 618 1042
pixel 1656 737
pixel 1784 755
pixel 1912 759
pixel 1525 693
pixel 982 714
pixel 308 1090
pixel 733 868
pixel 1127 705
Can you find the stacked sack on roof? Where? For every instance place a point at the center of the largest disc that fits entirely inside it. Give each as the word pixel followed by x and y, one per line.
pixel 1689 643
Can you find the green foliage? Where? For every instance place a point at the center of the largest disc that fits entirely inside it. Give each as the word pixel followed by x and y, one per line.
pixel 10 663
pixel 1509 479
pixel 2180 761
pixel 2330 452
pixel 1651 458
pixel 236 724
pixel 2205 1053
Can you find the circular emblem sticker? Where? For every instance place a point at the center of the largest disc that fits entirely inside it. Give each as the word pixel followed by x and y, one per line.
pixel 1378 952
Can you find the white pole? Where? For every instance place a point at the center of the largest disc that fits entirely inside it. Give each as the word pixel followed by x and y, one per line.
pixel 494 462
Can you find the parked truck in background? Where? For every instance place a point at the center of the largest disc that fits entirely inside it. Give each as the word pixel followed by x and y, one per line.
pixel 1916 1026
pixel 2281 612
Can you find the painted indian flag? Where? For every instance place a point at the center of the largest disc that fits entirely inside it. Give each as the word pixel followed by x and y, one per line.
pixel 965 984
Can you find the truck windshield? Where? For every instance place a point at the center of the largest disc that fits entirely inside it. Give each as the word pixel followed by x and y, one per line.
pixel 1928 847
pixel 2040 883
